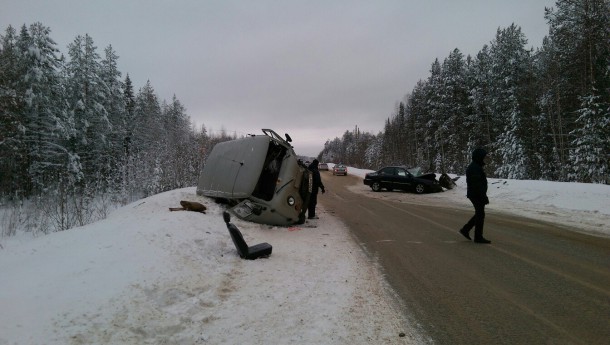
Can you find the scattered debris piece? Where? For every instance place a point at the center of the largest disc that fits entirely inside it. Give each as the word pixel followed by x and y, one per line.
pixel 261 250
pixel 189 206
pixel 447 182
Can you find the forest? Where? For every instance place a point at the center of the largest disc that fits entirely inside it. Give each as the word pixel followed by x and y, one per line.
pixel 542 114
pixel 77 139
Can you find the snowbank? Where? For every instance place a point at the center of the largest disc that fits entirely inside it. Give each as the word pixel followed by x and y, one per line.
pixel 147 275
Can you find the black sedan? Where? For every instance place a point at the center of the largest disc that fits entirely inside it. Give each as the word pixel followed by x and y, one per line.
pixel 399 177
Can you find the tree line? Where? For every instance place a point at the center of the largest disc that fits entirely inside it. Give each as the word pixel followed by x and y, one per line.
pixel 542 114
pixel 75 136
pixel 73 131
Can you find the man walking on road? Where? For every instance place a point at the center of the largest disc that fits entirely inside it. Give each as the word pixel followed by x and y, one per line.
pixel 476 182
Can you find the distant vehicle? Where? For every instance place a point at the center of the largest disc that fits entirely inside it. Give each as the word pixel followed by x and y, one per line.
pixel 340 169
pixel 401 178
pixel 323 167
pixel 260 177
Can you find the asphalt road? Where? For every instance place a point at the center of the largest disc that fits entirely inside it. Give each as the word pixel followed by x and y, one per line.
pixel 536 283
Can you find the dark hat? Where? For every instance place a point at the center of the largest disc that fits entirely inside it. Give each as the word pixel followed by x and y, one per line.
pixel 478 155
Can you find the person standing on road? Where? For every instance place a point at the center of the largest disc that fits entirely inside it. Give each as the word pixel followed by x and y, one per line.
pixel 476 182
pixel 316 184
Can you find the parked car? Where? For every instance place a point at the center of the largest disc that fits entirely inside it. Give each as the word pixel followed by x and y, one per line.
pixel 260 177
pixel 323 167
pixel 340 169
pixel 401 178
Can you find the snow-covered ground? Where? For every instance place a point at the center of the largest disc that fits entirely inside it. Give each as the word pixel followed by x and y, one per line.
pixel 146 275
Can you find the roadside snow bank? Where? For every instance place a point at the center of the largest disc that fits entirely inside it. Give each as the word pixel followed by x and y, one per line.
pixel 147 275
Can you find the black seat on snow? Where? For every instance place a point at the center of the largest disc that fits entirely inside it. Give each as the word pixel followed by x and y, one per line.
pixel 249 253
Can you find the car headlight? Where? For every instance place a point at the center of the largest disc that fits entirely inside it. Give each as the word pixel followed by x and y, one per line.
pixel 291 201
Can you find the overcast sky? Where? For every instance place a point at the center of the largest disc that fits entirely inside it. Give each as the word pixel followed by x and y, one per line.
pixel 313 69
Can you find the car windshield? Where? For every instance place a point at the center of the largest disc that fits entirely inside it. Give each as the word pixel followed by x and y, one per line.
pixel 415 171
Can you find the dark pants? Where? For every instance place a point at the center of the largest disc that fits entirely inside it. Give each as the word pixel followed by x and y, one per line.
pixel 477 220
pixel 313 201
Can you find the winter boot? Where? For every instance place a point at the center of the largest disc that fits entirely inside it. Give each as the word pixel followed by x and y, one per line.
pixel 465 233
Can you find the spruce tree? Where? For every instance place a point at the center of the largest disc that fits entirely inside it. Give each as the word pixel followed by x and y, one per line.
pixel 13 150
pixel 509 66
pixel 115 105
pixel 454 107
pixel 43 119
pixel 86 97
pixel 589 157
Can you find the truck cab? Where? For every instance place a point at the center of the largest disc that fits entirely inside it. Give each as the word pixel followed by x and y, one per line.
pixel 260 177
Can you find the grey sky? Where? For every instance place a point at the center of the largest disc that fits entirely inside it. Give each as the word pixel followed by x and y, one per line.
pixel 310 68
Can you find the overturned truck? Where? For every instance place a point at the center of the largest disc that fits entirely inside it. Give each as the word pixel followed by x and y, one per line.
pixel 260 177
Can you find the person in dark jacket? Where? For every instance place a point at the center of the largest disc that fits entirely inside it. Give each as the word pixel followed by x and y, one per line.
pixel 476 182
pixel 315 186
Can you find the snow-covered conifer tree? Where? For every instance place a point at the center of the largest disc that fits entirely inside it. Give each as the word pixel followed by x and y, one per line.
pixel 510 63
pixel 589 158
pixel 115 105
pixel 13 151
pixel 453 108
pixel 479 122
pixel 43 121
pixel 87 96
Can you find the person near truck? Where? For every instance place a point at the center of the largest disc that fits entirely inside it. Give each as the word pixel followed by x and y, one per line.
pixel 315 186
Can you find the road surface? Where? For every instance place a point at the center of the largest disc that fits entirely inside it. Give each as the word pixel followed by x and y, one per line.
pixel 535 284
